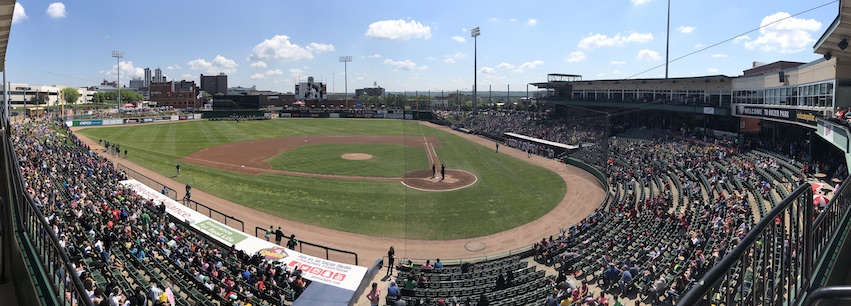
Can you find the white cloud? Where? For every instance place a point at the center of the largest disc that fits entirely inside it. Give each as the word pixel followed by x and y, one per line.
pixel 423 67
pixel 56 10
pixel 218 64
pixel 617 63
pixel 258 64
pixel 452 58
pixel 398 30
pixel 494 19
pixel 789 35
pixel 712 70
pixel 296 71
pixel 319 48
pixel 616 71
pixel 698 46
pixel 505 66
pixel 19 14
pixel 512 20
pixel 601 74
pixel 186 76
pixel 742 38
pixel 173 67
pixel 532 22
pixel 601 40
pixel 128 70
pixel 279 47
pixel 486 70
pixel 686 29
pixel 404 65
pixel 464 30
pixel 640 2
pixel 575 57
pixel 375 56
pixel 649 55
pixel 719 55
pixel 458 38
pixel 266 74
pixel 528 65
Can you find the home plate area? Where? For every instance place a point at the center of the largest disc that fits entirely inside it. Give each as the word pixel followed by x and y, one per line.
pixel 455 179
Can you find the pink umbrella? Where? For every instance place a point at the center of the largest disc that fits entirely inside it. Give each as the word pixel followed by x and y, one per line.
pixel 816 187
pixel 820 200
pixel 298 103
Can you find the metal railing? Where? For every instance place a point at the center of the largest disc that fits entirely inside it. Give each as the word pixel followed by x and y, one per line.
pixel 51 265
pixel 144 179
pixel 772 265
pixel 829 296
pixel 258 230
pixel 219 216
pixel 825 229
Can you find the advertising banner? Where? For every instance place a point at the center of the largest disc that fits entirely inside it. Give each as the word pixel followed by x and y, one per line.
pixel 134 120
pixel 88 122
pixel 175 118
pixel 285 115
pixel 316 269
pixel 148 120
pixel 802 116
pixel 334 115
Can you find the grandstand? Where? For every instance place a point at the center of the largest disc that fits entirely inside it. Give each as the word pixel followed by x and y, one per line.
pixel 698 212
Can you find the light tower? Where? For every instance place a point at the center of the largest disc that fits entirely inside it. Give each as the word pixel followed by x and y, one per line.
pixel 475 33
pixel 346 60
pixel 118 55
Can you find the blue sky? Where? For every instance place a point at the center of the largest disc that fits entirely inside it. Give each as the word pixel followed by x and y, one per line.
pixel 402 45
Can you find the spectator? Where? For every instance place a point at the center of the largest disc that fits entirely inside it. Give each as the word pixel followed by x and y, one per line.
pixel 392 292
pixel 373 295
pixel 279 235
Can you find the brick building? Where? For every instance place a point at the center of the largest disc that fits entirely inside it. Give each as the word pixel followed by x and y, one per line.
pixel 177 94
pixel 215 84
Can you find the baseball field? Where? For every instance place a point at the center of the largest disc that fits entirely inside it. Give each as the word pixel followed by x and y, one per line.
pixel 371 177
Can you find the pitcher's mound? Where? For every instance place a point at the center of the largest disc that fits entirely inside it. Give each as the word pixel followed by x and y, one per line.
pixel 356 156
pixel 455 179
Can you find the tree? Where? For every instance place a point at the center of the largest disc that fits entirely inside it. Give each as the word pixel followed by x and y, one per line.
pixel 70 95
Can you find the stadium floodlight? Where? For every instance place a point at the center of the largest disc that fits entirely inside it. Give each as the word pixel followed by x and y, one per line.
pixel 475 33
pixel 118 55
pixel 346 59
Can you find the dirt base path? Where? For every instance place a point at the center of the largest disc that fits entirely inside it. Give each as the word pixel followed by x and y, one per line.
pixel 584 194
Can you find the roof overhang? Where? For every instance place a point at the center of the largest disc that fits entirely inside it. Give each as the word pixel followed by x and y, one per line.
pixel 7 8
pixel 837 31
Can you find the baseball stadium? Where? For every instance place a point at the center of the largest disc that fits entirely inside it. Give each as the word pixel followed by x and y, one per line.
pixel 701 190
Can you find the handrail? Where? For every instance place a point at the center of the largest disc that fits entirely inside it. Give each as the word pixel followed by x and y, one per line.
pixel 210 210
pixel 258 229
pixel 828 293
pixel 740 258
pixel 30 232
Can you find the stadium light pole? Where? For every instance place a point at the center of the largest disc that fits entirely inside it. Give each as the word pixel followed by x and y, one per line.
pixel 118 55
pixel 346 59
pixel 475 33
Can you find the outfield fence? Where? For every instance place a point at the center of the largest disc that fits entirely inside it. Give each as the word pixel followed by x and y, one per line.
pixel 171 193
pixel 310 248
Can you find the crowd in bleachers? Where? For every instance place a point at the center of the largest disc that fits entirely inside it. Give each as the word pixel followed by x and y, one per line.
pixel 533 124
pixel 125 248
pixel 678 205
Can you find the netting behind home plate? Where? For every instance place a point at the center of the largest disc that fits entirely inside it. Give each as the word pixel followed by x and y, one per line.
pixel 586 128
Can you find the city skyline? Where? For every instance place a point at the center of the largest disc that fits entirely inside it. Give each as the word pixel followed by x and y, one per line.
pixel 413 46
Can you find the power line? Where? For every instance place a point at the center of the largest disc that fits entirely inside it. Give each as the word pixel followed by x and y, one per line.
pixel 50 72
pixel 730 39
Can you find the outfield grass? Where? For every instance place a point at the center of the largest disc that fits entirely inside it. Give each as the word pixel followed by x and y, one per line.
pixel 387 160
pixel 510 192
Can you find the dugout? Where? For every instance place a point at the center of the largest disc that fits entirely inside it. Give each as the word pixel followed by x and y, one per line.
pixel 559 149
